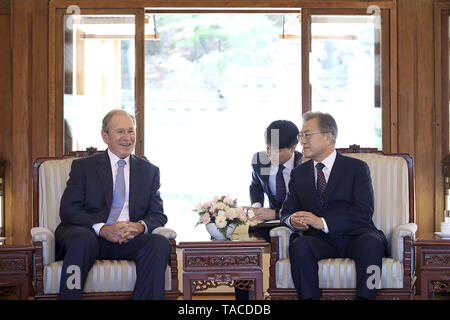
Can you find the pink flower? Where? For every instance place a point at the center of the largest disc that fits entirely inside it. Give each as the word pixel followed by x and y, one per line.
pixel 207 205
pixel 204 218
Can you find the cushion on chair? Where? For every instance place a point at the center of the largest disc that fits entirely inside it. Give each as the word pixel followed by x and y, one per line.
pixel 53 176
pixel 341 273
pixel 104 276
pixel 391 191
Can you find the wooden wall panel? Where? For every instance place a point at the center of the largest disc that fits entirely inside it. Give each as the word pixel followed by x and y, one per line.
pixel 29 108
pixel 20 211
pixel 424 121
pixel 416 109
pixel 39 89
pixel 5 97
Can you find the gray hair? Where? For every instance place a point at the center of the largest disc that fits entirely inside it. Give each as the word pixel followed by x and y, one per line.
pixel 326 122
pixel 109 115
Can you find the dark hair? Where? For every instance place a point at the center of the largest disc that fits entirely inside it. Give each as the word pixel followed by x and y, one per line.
pixel 287 132
pixel 325 121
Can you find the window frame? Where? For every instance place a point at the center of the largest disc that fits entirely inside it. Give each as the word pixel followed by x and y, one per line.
pixel 388 50
pixel 384 57
pixel 139 74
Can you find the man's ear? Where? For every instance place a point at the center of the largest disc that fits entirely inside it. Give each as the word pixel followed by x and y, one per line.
pixel 293 148
pixel 105 136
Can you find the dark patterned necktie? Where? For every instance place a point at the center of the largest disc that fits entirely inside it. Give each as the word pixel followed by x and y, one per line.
pixel 321 182
pixel 280 187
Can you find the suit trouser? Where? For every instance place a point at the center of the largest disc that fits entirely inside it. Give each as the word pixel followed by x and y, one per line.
pixel 82 247
pixel 305 252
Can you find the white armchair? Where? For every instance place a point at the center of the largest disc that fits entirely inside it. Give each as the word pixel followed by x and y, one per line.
pixel 107 278
pixel 393 183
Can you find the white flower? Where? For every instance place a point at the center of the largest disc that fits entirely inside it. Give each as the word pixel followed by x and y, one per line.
pixel 199 207
pixel 231 213
pixel 221 221
pixel 228 201
pixel 219 206
pixel 242 214
pixel 205 218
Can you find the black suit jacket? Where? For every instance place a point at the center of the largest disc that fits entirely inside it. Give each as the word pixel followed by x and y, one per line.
pixel 260 178
pixel 88 195
pixel 349 200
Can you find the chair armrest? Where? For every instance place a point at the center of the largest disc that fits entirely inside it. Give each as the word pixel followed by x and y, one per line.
pixel 166 232
pixel 400 232
pixel 47 238
pixel 283 234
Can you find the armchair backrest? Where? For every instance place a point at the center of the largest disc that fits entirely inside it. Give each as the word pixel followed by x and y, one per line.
pixel 49 182
pixel 53 175
pixel 393 184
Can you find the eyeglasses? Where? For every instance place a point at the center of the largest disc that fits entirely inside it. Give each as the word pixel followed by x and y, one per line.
pixel 308 135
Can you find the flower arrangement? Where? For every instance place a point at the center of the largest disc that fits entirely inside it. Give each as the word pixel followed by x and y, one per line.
pixel 222 211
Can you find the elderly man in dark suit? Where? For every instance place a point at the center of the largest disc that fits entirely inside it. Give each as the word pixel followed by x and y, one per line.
pixel 330 207
pixel 109 209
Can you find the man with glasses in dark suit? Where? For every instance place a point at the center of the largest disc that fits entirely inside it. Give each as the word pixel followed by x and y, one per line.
pixel 330 207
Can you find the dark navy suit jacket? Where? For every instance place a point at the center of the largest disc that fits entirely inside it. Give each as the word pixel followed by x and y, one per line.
pixel 88 195
pixel 260 179
pixel 349 200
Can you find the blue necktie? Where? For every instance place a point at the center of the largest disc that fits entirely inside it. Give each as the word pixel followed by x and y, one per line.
pixel 280 187
pixel 119 194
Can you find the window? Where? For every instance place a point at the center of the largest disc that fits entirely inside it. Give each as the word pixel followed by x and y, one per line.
pixel 345 76
pixel 214 82
pixel 205 85
pixel 99 75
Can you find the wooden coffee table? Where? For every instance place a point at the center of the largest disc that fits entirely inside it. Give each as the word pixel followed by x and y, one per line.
pixel 433 264
pixel 234 263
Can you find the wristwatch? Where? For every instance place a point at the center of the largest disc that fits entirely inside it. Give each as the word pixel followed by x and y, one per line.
pixel 277 214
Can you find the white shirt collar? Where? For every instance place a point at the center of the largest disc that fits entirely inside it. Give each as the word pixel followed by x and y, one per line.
pixel 113 158
pixel 290 163
pixel 328 162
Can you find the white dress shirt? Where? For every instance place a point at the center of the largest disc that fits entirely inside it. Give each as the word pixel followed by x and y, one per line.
pixel 125 213
pixel 288 166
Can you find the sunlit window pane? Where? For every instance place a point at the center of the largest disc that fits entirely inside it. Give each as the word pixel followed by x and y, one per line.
pixel 214 82
pixel 99 75
pixel 345 76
